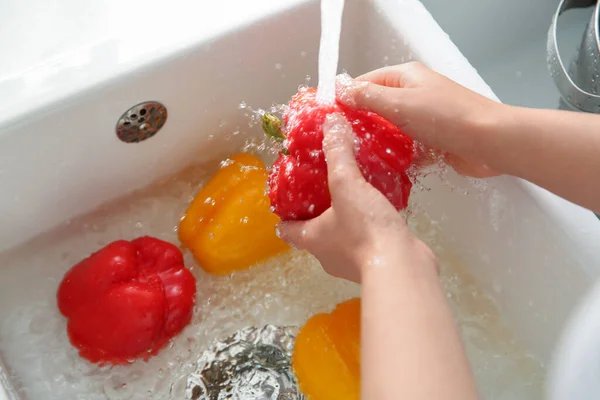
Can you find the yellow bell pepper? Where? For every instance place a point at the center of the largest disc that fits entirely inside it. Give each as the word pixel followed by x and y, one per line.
pixel 326 356
pixel 229 226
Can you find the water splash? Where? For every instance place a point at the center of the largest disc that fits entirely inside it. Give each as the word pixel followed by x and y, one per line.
pixel 282 291
pixel 331 28
pixel 261 143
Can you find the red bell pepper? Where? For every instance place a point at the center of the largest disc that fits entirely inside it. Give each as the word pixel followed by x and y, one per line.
pixel 298 187
pixel 127 300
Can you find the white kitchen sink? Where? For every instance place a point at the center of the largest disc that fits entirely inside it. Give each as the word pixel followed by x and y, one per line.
pixel 515 258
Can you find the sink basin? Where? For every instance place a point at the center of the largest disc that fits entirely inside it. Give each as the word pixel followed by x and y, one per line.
pixel 515 258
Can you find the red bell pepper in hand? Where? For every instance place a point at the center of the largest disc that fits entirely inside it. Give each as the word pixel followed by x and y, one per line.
pixel 127 300
pixel 298 187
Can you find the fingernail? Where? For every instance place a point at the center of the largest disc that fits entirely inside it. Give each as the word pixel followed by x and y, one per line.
pixel 347 88
pixel 282 233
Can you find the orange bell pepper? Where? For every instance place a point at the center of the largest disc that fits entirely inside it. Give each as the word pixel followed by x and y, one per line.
pixel 326 357
pixel 229 226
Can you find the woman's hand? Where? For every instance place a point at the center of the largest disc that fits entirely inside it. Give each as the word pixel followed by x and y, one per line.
pixel 410 348
pixel 557 150
pixel 361 230
pixel 430 108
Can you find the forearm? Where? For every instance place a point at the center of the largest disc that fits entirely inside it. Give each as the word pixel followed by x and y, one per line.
pixel 557 150
pixel 410 347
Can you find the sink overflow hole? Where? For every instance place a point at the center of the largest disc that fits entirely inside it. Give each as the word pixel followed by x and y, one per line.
pixel 141 122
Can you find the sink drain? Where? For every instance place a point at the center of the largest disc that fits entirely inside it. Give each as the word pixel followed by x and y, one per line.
pixel 253 364
pixel 141 122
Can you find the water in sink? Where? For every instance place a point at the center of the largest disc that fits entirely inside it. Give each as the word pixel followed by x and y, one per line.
pixel 282 291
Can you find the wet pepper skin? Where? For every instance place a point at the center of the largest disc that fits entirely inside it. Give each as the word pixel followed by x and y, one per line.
pixel 127 300
pixel 326 355
pixel 298 179
pixel 229 226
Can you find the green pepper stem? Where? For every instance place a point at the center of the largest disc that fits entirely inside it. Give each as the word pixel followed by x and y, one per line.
pixel 272 127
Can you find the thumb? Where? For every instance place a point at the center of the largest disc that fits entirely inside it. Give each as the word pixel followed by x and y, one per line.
pixel 305 235
pixel 383 100
pixel 339 147
pixel 295 233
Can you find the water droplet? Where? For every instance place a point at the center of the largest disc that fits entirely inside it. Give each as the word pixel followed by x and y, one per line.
pixel 375 261
pixel 226 163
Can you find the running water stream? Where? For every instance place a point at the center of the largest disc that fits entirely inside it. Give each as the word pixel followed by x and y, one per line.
pixel 329 50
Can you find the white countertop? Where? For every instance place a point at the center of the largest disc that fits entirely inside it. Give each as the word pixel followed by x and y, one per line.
pixel 51 48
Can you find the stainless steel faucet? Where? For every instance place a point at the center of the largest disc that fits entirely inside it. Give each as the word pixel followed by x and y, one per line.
pixel 579 86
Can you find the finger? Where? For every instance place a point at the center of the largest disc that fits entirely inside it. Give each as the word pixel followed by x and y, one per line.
pixel 467 168
pixel 306 235
pixel 339 148
pixel 383 90
pixel 294 233
pixel 396 76
pixel 385 101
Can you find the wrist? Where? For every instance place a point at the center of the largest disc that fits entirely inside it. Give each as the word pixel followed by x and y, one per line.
pixel 490 135
pixel 412 259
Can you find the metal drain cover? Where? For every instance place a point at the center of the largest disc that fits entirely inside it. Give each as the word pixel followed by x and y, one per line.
pixel 141 122
pixel 253 364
